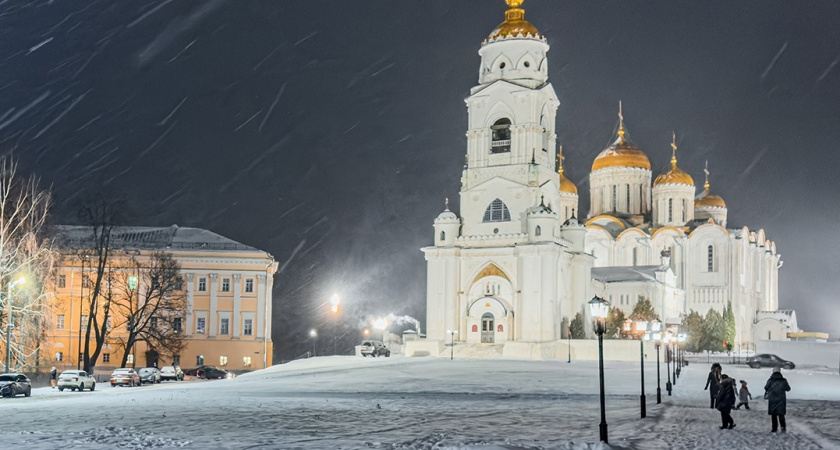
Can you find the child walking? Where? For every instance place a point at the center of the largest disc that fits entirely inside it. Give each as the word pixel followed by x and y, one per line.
pixel 744 396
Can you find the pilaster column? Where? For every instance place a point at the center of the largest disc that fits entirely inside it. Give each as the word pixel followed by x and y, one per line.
pixel 260 313
pixel 187 325
pixel 212 315
pixel 237 290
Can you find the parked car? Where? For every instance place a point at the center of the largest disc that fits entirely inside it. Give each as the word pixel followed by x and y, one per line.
pixel 149 375
pixel 768 360
pixel 75 380
pixel 209 372
pixel 171 373
pixel 13 384
pixel 125 377
pixel 374 349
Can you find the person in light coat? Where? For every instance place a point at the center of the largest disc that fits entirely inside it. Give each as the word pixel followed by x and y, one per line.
pixel 775 390
pixel 744 396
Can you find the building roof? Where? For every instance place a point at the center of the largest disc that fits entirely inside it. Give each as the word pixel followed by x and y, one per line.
pixel 150 238
pixel 618 274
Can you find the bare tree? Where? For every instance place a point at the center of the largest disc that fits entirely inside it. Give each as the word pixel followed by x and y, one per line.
pixel 150 298
pixel 24 253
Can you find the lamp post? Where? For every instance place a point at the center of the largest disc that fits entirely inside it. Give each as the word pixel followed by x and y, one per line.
pixel 9 321
pixel 641 326
pixel 600 308
pixel 680 352
pixel 657 342
pixel 313 334
pixel 674 350
pixel 452 334
pixel 668 361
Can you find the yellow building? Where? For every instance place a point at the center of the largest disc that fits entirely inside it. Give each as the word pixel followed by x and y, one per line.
pixel 226 286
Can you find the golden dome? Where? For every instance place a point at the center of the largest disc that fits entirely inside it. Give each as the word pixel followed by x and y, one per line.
pixel 675 175
pixel 566 184
pixel 515 23
pixel 621 153
pixel 706 199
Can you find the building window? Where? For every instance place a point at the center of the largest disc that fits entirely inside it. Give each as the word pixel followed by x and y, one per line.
pixel 85 281
pixel 248 329
pixel 179 284
pixel 500 136
pixel 106 357
pixel 614 195
pixel 628 198
pixel 155 283
pixel 223 360
pixel 538 231
pixel 107 323
pixel 177 324
pixel 129 359
pixel 670 209
pixel 62 281
pixel 59 322
pixel 642 198
pixel 683 211
pixel 176 360
pixel 225 284
pixel 59 356
pixel 496 212
pixel 132 282
pixel 710 262
pixel 246 361
pixel 84 322
pixel 442 235
pixel 200 325
pixel 249 285
pixel 635 256
pixel 202 284
pixel 224 327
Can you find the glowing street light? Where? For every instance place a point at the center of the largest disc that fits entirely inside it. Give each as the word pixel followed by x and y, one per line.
pixel 452 333
pixel 335 303
pixel 9 321
pixel 655 326
pixel 641 326
pixel 600 308
pixel 313 334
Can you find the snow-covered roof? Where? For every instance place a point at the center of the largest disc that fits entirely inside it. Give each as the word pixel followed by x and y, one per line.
pixel 785 316
pixel 152 238
pixel 617 274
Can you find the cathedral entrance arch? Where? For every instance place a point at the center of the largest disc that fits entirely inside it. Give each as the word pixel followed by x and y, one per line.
pixel 488 330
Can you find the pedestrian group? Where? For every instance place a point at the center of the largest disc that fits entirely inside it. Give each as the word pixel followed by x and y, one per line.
pixel 724 394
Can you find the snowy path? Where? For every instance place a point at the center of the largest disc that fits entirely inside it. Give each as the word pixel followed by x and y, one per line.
pixel 421 403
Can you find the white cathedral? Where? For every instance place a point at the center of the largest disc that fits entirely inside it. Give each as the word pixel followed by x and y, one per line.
pixel 520 262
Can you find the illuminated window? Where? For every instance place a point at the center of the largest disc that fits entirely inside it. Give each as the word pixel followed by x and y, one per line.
pixel 223 360
pixel 497 211
pixel 246 361
pixel 249 285
pixel 129 359
pixel 132 282
pixel 59 356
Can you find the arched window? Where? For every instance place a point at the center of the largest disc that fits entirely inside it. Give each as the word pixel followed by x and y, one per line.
pixel 442 235
pixel 500 136
pixel 635 256
pixel 475 328
pixel 628 198
pixel 670 209
pixel 614 195
pixel 710 263
pixel 501 328
pixel 683 211
pixel 538 231
pixel 496 212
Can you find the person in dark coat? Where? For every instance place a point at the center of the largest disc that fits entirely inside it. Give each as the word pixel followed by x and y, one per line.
pixel 775 390
pixel 53 376
pixel 726 401
pixel 713 383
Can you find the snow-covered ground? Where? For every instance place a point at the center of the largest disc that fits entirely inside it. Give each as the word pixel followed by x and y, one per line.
pixel 344 402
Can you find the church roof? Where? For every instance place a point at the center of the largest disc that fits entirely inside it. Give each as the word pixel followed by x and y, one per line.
pixel 150 238
pixel 619 274
pixel 621 153
pixel 515 24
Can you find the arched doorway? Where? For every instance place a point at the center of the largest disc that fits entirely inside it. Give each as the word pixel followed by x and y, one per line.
pixel 152 358
pixel 488 329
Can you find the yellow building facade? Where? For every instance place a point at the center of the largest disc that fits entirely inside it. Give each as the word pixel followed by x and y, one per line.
pixel 227 288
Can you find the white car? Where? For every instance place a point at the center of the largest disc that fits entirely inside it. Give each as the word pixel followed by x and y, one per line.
pixel 75 379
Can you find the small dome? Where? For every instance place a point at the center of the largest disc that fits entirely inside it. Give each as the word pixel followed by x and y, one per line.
pixel 674 176
pixel 566 184
pixel 447 216
pixel 709 200
pixel 515 23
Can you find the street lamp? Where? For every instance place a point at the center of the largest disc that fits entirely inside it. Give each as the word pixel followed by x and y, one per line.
pixel 313 333
pixel 335 303
pixel 641 326
pixel 680 352
pixel 452 334
pixel 9 321
pixel 600 308
pixel 674 350
pixel 657 342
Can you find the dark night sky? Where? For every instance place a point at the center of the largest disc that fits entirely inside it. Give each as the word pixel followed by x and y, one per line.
pixel 329 132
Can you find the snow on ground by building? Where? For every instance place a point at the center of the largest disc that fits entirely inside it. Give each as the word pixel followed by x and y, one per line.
pixel 345 402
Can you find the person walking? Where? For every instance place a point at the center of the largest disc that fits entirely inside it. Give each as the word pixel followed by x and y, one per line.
pixel 53 376
pixel 744 396
pixel 713 383
pixel 775 389
pixel 725 401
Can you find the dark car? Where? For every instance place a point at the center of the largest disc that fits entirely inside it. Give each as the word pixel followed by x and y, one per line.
pixel 13 384
pixel 208 372
pixel 768 360
pixel 374 349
